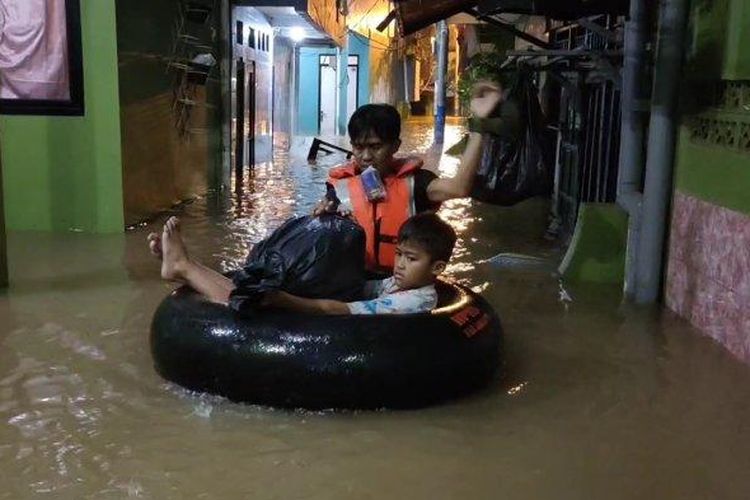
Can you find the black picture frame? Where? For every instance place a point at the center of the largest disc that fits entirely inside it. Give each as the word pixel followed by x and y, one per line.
pixel 75 105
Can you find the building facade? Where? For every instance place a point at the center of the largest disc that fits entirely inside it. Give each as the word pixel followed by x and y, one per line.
pixel 708 276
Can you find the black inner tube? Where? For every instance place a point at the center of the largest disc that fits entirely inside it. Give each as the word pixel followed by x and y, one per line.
pixel 304 361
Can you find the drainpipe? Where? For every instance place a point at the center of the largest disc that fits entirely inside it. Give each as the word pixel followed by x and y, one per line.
pixel 441 48
pixel 293 83
pixel 629 194
pixel 673 19
pixel 407 94
pixel 343 85
pixel 456 78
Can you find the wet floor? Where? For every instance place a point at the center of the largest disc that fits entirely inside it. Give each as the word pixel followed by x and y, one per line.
pixel 600 399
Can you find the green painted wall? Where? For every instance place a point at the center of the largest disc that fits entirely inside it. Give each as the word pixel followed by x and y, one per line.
pixel 719 38
pixel 64 173
pixel 737 62
pixel 713 154
pixel 717 175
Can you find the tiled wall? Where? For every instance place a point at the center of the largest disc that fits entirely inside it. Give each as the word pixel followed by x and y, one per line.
pixel 708 280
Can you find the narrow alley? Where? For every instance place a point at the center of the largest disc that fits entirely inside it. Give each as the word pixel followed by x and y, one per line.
pixel 607 226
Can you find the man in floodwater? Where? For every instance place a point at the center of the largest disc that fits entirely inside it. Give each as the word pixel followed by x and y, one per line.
pixel 402 187
pixel 404 191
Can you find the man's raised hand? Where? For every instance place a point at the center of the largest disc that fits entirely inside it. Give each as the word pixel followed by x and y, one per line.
pixel 486 95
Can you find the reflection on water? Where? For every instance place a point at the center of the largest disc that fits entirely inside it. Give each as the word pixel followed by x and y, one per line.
pixel 600 400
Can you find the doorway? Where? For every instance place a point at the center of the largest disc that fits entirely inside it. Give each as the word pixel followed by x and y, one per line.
pixel 244 133
pixel 328 97
pixel 239 118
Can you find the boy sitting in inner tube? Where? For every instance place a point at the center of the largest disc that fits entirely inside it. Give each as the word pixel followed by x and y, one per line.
pixel 382 191
pixel 424 246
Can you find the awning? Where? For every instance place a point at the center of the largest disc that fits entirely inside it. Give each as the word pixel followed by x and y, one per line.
pixel 414 15
pixel 556 9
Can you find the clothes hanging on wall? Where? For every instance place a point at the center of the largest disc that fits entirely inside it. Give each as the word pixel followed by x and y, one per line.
pixel 33 50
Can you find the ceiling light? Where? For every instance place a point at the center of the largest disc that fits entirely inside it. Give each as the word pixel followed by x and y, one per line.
pixel 297 34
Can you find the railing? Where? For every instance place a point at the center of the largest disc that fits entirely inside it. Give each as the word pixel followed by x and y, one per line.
pixel 589 123
pixel 320 145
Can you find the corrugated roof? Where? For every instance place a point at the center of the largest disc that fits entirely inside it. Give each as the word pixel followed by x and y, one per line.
pixel 556 9
pixel 417 14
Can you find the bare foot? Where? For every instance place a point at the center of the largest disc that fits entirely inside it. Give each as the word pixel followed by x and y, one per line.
pixel 174 255
pixel 154 245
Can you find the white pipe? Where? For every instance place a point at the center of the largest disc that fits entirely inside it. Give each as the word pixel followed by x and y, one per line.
pixel 673 19
pixel 631 163
pixel 293 97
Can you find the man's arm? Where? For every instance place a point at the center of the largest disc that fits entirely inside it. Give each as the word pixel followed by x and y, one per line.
pixel 284 300
pixel 486 97
pixel 459 186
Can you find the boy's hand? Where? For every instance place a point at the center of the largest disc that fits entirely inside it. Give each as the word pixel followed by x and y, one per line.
pixel 324 206
pixel 347 214
pixel 486 96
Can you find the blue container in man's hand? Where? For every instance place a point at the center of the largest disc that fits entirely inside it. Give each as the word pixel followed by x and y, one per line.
pixel 373 185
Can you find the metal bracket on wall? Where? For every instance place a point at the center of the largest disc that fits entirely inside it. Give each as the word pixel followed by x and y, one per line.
pixel 610 35
pixel 597 64
pixel 191 57
pixel 573 53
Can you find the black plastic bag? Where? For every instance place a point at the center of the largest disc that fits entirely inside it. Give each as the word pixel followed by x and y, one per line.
pixel 513 169
pixel 312 256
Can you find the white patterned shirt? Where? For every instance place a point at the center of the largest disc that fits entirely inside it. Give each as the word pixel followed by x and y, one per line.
pixel 385 297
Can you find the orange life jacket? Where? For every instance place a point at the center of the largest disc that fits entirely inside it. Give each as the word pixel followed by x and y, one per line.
pixel 380 220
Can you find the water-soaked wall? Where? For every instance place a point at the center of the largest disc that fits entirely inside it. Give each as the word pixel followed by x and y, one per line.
pixel 64 173
pixel 708 278
pixel 282 86
pixel 327 14
pixel 255 47
pixel 170 148
pixel 384 64
pixel 360 46
pixel 383 68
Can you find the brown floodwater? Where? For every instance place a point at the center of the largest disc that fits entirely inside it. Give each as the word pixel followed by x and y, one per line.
pixel 599 399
